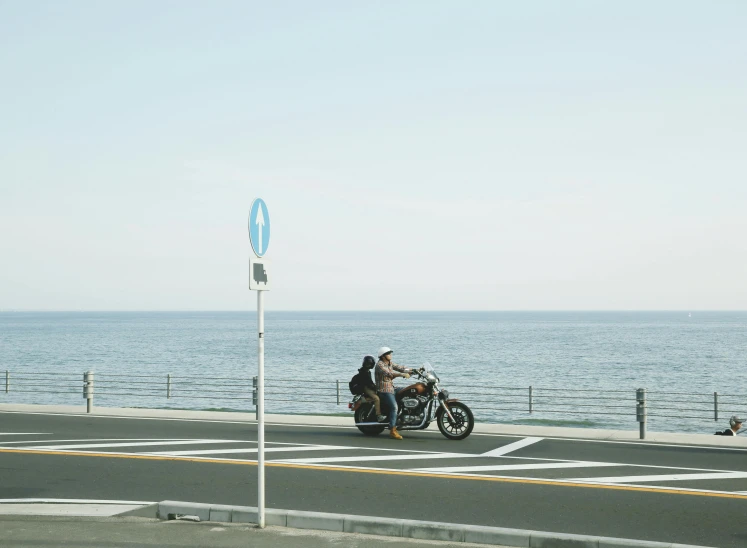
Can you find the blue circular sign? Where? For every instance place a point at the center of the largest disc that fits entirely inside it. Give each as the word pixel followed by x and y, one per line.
pixel 259 227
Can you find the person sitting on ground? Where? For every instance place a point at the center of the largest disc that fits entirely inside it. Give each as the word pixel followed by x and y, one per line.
pixel 386 371
pixel 735 424
pixel 369 386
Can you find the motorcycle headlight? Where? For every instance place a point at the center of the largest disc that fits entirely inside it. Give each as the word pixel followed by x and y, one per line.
pixel 443 395
pixel 430 377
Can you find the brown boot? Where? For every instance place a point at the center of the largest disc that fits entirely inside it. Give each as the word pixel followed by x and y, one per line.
pixel 394 434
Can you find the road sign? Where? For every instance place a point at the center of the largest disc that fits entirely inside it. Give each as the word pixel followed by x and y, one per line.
pixel 259 280
pixel 259 227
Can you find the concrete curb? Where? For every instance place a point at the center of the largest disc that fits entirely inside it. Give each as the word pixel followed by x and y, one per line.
pixel 392 527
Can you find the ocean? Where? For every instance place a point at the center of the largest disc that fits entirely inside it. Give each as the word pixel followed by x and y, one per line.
pixel 584 367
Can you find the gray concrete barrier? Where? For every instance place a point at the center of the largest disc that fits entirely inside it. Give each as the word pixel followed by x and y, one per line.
pixel 404 528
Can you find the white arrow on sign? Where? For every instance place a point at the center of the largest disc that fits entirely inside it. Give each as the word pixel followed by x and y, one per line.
pixel 260 220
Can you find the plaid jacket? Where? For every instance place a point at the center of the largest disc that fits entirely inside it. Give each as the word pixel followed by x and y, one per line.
pixel 385 376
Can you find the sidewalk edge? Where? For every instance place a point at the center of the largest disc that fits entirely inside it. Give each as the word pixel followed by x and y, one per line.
pixel 392 527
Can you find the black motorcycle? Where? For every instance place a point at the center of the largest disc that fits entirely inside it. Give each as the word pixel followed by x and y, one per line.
pixel 418 405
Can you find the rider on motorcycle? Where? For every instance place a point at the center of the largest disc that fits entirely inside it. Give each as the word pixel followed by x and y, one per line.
pixel 386 371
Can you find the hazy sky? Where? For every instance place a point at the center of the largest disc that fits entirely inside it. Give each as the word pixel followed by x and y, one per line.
pixel 413 155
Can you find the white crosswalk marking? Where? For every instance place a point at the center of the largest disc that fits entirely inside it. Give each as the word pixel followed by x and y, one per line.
pixel 369 458
pixel 667 477
pixel 540 466
pixel 46 442
pixel 511 447
pixel 251 450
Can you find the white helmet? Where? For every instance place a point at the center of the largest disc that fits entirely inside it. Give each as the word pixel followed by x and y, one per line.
pixel 383 350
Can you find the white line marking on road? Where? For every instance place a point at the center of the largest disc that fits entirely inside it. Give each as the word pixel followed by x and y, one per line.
pixel 251 450
pixel 511 447
pixel 376 457
pixel 541 466
pixel 667 477
pixel 69 510
pixel 46 442
pixel 133 444
pixel 74 501
pixel 25 433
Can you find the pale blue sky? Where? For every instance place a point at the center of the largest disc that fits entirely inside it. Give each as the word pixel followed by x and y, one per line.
pixel 413 155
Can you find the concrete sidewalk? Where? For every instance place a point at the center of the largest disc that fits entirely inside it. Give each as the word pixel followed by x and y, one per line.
pixel 708 440
pixel 134 532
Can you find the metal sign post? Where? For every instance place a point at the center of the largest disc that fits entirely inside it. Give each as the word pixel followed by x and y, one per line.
pixel 261 410
pixel 259 236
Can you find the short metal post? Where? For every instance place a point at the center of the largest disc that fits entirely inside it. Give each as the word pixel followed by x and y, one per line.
pixel 168 385
pixel 640 410
pixel 715 406
pixel 7 381
pixel 338 391
pixel 88 390
pixel 254 396
pixel 531 399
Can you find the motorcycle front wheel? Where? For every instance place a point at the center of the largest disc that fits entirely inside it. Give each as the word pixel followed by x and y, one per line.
pixel 365 414
pixel 461 426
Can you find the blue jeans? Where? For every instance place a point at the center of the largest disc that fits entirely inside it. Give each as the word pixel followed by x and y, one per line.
pixel 390 404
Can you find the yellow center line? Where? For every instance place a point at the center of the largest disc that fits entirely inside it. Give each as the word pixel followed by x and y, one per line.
pixel 408 473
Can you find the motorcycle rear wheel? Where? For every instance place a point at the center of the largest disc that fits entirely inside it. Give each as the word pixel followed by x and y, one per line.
pixel 364 414
pixel 463 422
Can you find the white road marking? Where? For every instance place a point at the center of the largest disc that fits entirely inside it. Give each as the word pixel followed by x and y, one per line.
pixel 376 457
pixel 667 477
pixel 75 501
pixel 25 433
pixel 67 509
pixel 133 444
pixel 541 466
pixel 87 440
pixel 511 447
pixel 251 450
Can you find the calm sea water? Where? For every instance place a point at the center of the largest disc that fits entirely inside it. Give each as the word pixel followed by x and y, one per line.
pixel 556 352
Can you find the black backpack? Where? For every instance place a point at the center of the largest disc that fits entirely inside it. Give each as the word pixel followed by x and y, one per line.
pixel 356 384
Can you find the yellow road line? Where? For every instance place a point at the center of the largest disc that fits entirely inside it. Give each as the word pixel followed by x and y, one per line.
pixel 408 473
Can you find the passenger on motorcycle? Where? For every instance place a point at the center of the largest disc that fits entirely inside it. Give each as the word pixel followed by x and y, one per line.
pixel 386 371
pixel 369 386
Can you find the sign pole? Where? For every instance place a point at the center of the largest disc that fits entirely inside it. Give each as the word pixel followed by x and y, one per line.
pixel 259 281
pixel 261 410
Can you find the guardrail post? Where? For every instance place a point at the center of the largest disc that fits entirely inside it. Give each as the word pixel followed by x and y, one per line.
pixel 7 381
pixel 338 391
pixel 88 390
pixel 168 386
pixel 531 399
pixel 715 406
pixel 640 410
pixel 254 396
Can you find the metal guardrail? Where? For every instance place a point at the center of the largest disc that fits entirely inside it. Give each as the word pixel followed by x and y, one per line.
pixel 642 403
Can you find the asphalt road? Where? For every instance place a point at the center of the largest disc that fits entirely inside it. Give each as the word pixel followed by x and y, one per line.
pixel 691 495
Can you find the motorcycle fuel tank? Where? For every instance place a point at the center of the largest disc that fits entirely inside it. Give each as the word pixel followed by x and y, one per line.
pixel 417 389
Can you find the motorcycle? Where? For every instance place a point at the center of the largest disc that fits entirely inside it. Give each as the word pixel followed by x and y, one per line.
pixel 418 405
